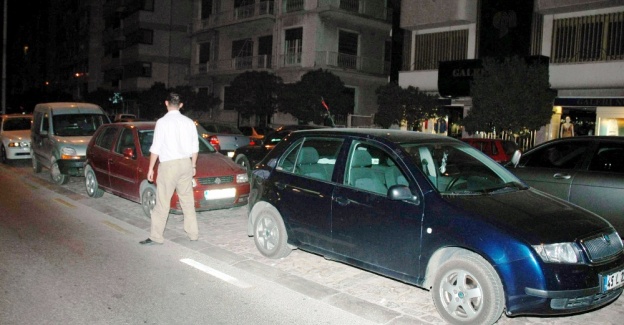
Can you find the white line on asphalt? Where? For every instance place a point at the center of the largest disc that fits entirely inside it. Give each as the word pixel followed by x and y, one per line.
pixel 215 273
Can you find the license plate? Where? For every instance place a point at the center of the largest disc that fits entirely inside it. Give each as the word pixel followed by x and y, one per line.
pixel 220 194
pixel 613 280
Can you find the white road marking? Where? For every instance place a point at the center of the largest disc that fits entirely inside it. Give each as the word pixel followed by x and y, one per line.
pixel 215 273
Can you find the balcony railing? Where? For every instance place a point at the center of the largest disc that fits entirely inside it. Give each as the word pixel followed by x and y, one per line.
pixel 358 7
pixel 240 63
pixel 323 59
pixel 239 14
pixel 350 62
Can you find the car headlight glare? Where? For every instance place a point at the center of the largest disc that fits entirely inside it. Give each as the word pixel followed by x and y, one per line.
pixel 242 178
pixel 69 153
pixel 566 253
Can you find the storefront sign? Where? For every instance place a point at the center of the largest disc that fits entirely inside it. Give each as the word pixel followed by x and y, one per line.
pixel 588 101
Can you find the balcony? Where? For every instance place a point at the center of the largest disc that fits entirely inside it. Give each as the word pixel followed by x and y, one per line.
pixel 259 62
pixel 257 14
pixel 354 11
pixel 326 59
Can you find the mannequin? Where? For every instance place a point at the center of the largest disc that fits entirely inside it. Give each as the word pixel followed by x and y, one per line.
pixel 567 128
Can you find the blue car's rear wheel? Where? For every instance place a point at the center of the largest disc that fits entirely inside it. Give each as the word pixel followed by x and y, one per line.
pixel 270 234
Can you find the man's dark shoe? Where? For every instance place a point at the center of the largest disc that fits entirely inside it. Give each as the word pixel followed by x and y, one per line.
pixel 148 242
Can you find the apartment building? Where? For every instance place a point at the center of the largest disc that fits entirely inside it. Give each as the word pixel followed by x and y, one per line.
pixel 581 40
pixel 143 42
pixel 350 38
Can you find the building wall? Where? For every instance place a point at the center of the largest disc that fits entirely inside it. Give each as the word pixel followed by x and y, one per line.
pixel 595 79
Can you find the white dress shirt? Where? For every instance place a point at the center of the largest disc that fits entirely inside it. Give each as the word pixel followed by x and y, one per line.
pixel 175 137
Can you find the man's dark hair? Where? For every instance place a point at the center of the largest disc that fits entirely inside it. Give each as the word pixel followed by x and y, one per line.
pixel 174 99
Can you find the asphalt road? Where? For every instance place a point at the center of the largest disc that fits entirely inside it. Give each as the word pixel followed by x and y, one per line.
pixel 224 246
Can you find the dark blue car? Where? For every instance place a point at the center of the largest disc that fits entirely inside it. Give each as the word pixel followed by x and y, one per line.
pixel 437 213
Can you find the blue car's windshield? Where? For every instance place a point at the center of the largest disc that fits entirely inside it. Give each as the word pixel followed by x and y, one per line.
pixel 461 169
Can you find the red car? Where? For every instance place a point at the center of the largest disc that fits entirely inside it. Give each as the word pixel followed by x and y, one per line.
pixel 498 149
pixel 118 160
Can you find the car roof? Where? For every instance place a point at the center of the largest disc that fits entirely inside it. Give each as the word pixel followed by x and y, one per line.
pixel 579 138
pixel 392 135
pixel 15 115
pixel 140 125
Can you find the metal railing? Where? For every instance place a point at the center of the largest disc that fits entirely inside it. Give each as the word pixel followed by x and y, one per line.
pixel 350 62
pixel 239 14
pixel 588 38
pixel 429 49
pixel 239 63
pixel 359 7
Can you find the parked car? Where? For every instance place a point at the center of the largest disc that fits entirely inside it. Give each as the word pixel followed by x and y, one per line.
pixel 249 155
pixel 15 136
pixel 223 137
pixel 60 133
pixel 118 160
pixel 434 212
pixel 498 149
pixel 586 170
pixel 255 134
pixel 124 118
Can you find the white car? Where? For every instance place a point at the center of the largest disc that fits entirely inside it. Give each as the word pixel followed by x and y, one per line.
pixel 15 134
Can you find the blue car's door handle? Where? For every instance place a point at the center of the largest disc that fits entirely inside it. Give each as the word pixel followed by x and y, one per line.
pixel 562 176
pixel 342 200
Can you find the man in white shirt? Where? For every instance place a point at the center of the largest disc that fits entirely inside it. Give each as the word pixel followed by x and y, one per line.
pixel 176 146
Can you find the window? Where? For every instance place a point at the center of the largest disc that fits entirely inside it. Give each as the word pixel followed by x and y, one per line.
pixel 206 8
pixel 105 140
pixel 141 36
pixel 294 5
pixel 227 100
pixel 429 49
pixel 565 155
pixel 588 38
pixel 242 53
pixel 138 69
pixel 265 51
pixel 372 169
pixel 608 158
pixel 347 49
pixel 204 52
pixel 312 157
pixel 294 45
pixel 126 140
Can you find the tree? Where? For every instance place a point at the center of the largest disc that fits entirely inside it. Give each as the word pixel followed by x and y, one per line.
pixel 510 95
pixel 409 104
pixel 255 93
pixel 390 98
pixel 304 99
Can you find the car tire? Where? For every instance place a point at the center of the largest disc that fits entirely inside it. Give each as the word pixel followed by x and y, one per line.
pixel 36 166
pixel 3 155
pixel 243 162
pixel 91 183
pixel 270 234
pixel 467 290
pixel 148 200
pixel 56 175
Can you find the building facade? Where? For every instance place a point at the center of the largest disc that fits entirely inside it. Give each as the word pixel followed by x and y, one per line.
pixel 583 41
pixel 350 38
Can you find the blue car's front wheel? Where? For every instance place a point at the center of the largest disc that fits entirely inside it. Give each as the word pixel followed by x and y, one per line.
pixel 467 290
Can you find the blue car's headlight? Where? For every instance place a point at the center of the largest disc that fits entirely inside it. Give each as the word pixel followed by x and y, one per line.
pixel 566 253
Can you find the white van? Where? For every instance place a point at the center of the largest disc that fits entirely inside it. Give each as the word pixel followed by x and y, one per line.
pixel 59 137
